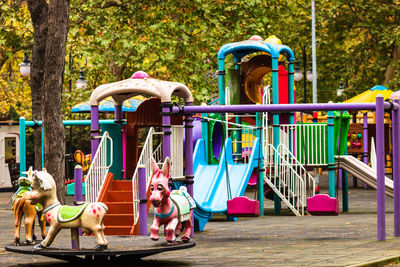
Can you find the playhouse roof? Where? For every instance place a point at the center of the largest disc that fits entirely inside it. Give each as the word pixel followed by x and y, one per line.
pixel 370 95
pixel 140 85
pixel 243 48
pixel 107 105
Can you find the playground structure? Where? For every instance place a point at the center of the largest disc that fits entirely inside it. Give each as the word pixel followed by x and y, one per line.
pixel 231 149
pixel 9 154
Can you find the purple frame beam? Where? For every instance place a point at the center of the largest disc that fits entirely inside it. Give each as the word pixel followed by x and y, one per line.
pixel 189 155
pixel 166 124
pixel 365 140
pixel 396 169
pixel 380 172
pixel 280 108
pixel 95 128
pixel 142 200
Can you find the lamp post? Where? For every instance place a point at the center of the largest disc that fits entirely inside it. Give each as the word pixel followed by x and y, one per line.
pixel 300 74
pixel 81 83
pixel 25 66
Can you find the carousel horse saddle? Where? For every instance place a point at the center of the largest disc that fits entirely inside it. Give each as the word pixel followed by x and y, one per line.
pixel 70 213
pixel 184 203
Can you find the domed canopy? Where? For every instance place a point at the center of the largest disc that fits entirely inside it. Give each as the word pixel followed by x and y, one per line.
pixel 241 49
pixel 370 95
pixel 125 89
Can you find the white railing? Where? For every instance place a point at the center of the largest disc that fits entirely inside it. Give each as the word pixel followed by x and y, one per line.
pixel 99 169
pixel 284 180
pixel 145 159
pixel 298 167
pixel 308 140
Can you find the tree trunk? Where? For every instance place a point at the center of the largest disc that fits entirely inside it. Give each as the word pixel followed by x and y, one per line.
pixel 38 10
pixel 389 73
pixel 54 136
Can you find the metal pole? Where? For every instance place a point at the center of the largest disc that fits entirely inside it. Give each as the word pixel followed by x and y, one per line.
pixel 22 146
pixel 221 81
pixel 166 125
pixel 314 53
pixel 304 73
pixel 95 129
pixel 78 183
pixel 365 140
pixel 70 65
pixel 331 155
pixel 380 172
pixel 275 122
pixel 396 169
pixel 142 200
pixel 189 156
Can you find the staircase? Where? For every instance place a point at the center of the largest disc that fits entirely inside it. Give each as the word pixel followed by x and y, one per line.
pixel 117 195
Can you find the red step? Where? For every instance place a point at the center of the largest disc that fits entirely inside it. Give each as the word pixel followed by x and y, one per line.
pixel 118 220
pixel 117 230
pixel 121 185
pixel 118 196
pixel 119 207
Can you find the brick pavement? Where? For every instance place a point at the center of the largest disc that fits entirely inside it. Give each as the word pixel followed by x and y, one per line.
pixel 285 240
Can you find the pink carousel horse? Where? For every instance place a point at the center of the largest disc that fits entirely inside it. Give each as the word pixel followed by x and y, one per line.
pixel 173 209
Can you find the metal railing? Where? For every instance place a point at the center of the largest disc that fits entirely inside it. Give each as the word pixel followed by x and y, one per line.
pixel 99 169
pixel 284 180
pixel 145 159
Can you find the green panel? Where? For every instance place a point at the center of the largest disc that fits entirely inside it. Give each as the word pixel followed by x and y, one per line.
pixel 71 189
pixel 232 81
pixel 212 159
pixel 115 133
pixel 342 124
pixel 309 144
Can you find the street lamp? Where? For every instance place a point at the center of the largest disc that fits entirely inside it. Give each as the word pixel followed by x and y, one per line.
pixel 81 83
pixel 25 66
pixel 310 74
pixel 340 91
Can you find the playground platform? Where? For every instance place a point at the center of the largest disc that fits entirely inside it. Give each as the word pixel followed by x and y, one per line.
pixel 285 240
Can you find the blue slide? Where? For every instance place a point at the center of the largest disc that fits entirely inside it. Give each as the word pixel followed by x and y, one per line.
pixel 209 189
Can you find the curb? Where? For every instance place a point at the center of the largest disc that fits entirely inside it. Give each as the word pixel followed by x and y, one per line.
pixel 377 263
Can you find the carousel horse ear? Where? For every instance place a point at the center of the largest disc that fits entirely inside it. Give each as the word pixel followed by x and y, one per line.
pixel 154 165
pixel 166 167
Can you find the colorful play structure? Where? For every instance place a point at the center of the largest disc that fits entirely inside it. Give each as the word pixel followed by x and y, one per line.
pixel 250 136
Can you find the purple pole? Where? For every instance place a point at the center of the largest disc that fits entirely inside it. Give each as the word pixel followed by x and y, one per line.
pixel 380 172
pixel 365 141
pixel 118 113
pixel 166 124
pixel 78 183
pixel 355 178
pixel 279 108
pixel 142 201
pixel 396 169
pixel 78 189
pixel 189 155
pixel 95 129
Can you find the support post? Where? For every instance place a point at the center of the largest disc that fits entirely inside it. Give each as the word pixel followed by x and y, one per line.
pixel 166 109
pixel 189 156
pixel 345 189
pixel 275 121
pixel 22 146
pixel 142 200
pixel 260 181
pixel 380 172
pixel 95 129
pixel 221 81
pixel 78 183
pixel 331 155
pixel 365 140
pixel 75 238
pixel 396 169
pixel 354 119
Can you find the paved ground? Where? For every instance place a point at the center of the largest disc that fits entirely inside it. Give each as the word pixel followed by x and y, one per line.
pixel 285 240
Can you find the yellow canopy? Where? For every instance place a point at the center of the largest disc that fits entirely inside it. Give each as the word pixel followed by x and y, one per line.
pixel 370 95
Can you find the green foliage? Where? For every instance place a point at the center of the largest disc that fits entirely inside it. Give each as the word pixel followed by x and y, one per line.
pixel 179 41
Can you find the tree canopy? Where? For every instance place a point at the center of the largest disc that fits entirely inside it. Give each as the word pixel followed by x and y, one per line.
pixel 357 43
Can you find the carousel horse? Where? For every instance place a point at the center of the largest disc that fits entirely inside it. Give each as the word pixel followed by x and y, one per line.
pixel 174 209
pixel 89 216
pixel 22 207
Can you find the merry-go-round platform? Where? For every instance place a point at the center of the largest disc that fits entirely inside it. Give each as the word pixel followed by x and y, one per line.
pixel 120 248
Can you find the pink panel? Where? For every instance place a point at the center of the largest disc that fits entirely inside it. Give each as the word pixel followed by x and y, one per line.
pixel 243 206
pixel 322 204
